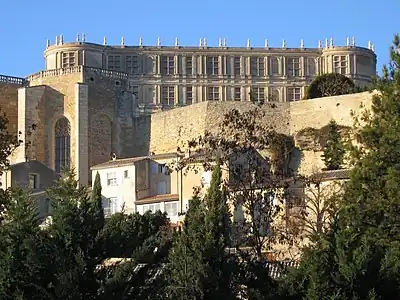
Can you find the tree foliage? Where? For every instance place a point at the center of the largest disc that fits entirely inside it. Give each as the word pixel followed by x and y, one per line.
pixel 200 266
pixel 359 256
pixel 331 84
pixel 334 149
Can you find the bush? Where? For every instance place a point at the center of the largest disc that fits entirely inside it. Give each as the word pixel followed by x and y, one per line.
pixel 332 84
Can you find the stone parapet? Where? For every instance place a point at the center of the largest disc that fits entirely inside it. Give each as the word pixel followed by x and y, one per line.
pixel 12 80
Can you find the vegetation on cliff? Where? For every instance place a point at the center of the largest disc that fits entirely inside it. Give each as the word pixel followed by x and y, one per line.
pixel 355 257
pixel 358 258
pixel 334 149
pixel 331 84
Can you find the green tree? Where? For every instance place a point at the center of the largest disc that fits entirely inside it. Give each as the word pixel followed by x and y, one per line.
pixel 124 233
pixel 359 256
pixel 217 240
pixel 331 84
pixel 187 267
pixel 201 268
pixel 25 252
pixel 74 230
pixel 334 149
pixel 97 204
pixel 8 143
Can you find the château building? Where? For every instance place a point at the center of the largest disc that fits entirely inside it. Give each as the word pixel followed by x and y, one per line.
pixel 92 100
pixel 176 75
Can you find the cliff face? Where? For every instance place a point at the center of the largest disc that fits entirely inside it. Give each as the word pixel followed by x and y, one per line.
pixel 302 119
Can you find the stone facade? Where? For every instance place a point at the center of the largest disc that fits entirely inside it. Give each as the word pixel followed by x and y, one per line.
pixel 9 99
pixel 118 99
pixel 174 128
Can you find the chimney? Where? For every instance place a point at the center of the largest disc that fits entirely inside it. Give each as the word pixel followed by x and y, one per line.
pixel 187 153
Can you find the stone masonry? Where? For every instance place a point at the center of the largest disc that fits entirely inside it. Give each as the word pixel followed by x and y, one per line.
pixel 128 100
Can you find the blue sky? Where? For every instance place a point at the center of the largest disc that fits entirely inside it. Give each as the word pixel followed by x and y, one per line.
pixel 26 24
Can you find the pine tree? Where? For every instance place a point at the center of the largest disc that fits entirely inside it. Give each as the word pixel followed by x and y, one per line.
pixel 200 266
pixel 217 223
pixel 359 256
pixel 334 149
pixel 26 267
pixel 187 266
pixel 96 203
pixel 74 231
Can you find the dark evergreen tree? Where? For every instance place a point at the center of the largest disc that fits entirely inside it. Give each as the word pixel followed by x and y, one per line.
pixel 217 222
pixel 187 267
pixel 334 149
pixel 74 231
pixel 359 256
pixel 200 266
pixel 331 84
pixel 26 266
pixel 97 204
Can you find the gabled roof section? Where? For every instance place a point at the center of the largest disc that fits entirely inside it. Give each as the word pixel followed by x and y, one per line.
pixel 341 174
pixel 131 160
pixel 33 161
pixel 119 162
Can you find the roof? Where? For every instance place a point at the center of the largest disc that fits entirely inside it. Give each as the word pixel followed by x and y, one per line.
pixel 276 269
pixel 131 160
pixel 341 174
pixel 158 198
pixel 29 162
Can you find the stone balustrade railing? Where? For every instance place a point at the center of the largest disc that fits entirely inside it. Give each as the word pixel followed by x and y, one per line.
pixel 54 73
pixel 12 80
pixel 107 73
pixel 77 69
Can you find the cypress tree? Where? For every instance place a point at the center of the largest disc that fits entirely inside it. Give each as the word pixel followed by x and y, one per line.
pixel 334 149
pixel 96 204
pixel 359 257
pixel 200 267
pixel 26 267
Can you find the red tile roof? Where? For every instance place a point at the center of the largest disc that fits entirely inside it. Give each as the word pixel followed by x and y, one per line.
pixel 158 198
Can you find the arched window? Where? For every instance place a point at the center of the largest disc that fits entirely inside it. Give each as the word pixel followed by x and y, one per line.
pixel 63 144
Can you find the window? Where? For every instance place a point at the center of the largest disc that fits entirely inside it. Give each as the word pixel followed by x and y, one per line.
pixel 132 64
pixel 257 66
pixel 293 66
pixel 114 62
pixel 213 93
pixel 162 169
pixel 134 89
pixel 189 65
pixel 110 205
pixel 168 65
pixel 258 93
pixel 311 66
pixel 212 65
pixel 236 65
pixel 206 177
pixel 238 94
pixel 168 95
pixel 275 66
pixel 189 95
pixel 154 168
pixel 151 207
pixel 161 188
pixel 112 178
pixel 46 208
pixel 126 174
pixel 273 95
pixel 33 181
pixel 171 209
pixel 294 94
pixel 68 59
pixel 63 144
pixel 340 64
